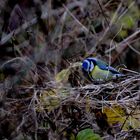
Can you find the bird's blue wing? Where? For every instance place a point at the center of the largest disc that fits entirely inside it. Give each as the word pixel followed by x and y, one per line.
pixel 113 70
pixel 103 65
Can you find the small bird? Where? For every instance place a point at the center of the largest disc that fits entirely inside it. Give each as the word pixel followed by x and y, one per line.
pixel 97 70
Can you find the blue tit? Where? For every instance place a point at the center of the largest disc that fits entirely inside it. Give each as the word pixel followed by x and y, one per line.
pixel 98 70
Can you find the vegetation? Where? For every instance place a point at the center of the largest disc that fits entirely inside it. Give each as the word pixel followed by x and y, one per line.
pixel 43 92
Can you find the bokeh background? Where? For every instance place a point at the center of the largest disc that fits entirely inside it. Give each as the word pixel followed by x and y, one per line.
pixel 41 41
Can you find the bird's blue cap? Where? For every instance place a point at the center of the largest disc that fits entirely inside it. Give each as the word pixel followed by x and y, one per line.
pixel 86 65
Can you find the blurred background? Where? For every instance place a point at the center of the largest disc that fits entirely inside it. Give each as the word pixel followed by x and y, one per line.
pixel 41 41
pixel 57 33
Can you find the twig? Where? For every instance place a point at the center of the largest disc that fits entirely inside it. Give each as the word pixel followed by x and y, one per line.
pixel 83 27
pixel 34 21
pixel 122 45
pixel 132 111
pixel 107 30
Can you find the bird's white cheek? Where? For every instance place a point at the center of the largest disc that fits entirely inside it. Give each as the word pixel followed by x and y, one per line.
pixel 91 67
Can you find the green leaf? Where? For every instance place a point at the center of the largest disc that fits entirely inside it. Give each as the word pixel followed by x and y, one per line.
pixel 128 22
pixel 123 33
pixel 48 100
pixel 63 75
pixel 87 134
pixel 119 115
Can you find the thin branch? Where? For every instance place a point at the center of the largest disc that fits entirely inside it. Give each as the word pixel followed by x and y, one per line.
pixel 24 26
pixel 122 45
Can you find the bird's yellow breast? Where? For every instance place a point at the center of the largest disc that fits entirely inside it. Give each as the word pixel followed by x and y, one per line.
pixel 99 74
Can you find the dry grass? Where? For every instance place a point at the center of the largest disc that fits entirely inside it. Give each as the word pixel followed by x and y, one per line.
pixel 34 105
pixel 53 111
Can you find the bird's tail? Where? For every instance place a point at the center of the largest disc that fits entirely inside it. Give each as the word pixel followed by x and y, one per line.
pixel 118 75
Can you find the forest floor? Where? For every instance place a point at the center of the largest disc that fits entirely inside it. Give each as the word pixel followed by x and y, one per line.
pixel 43 91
